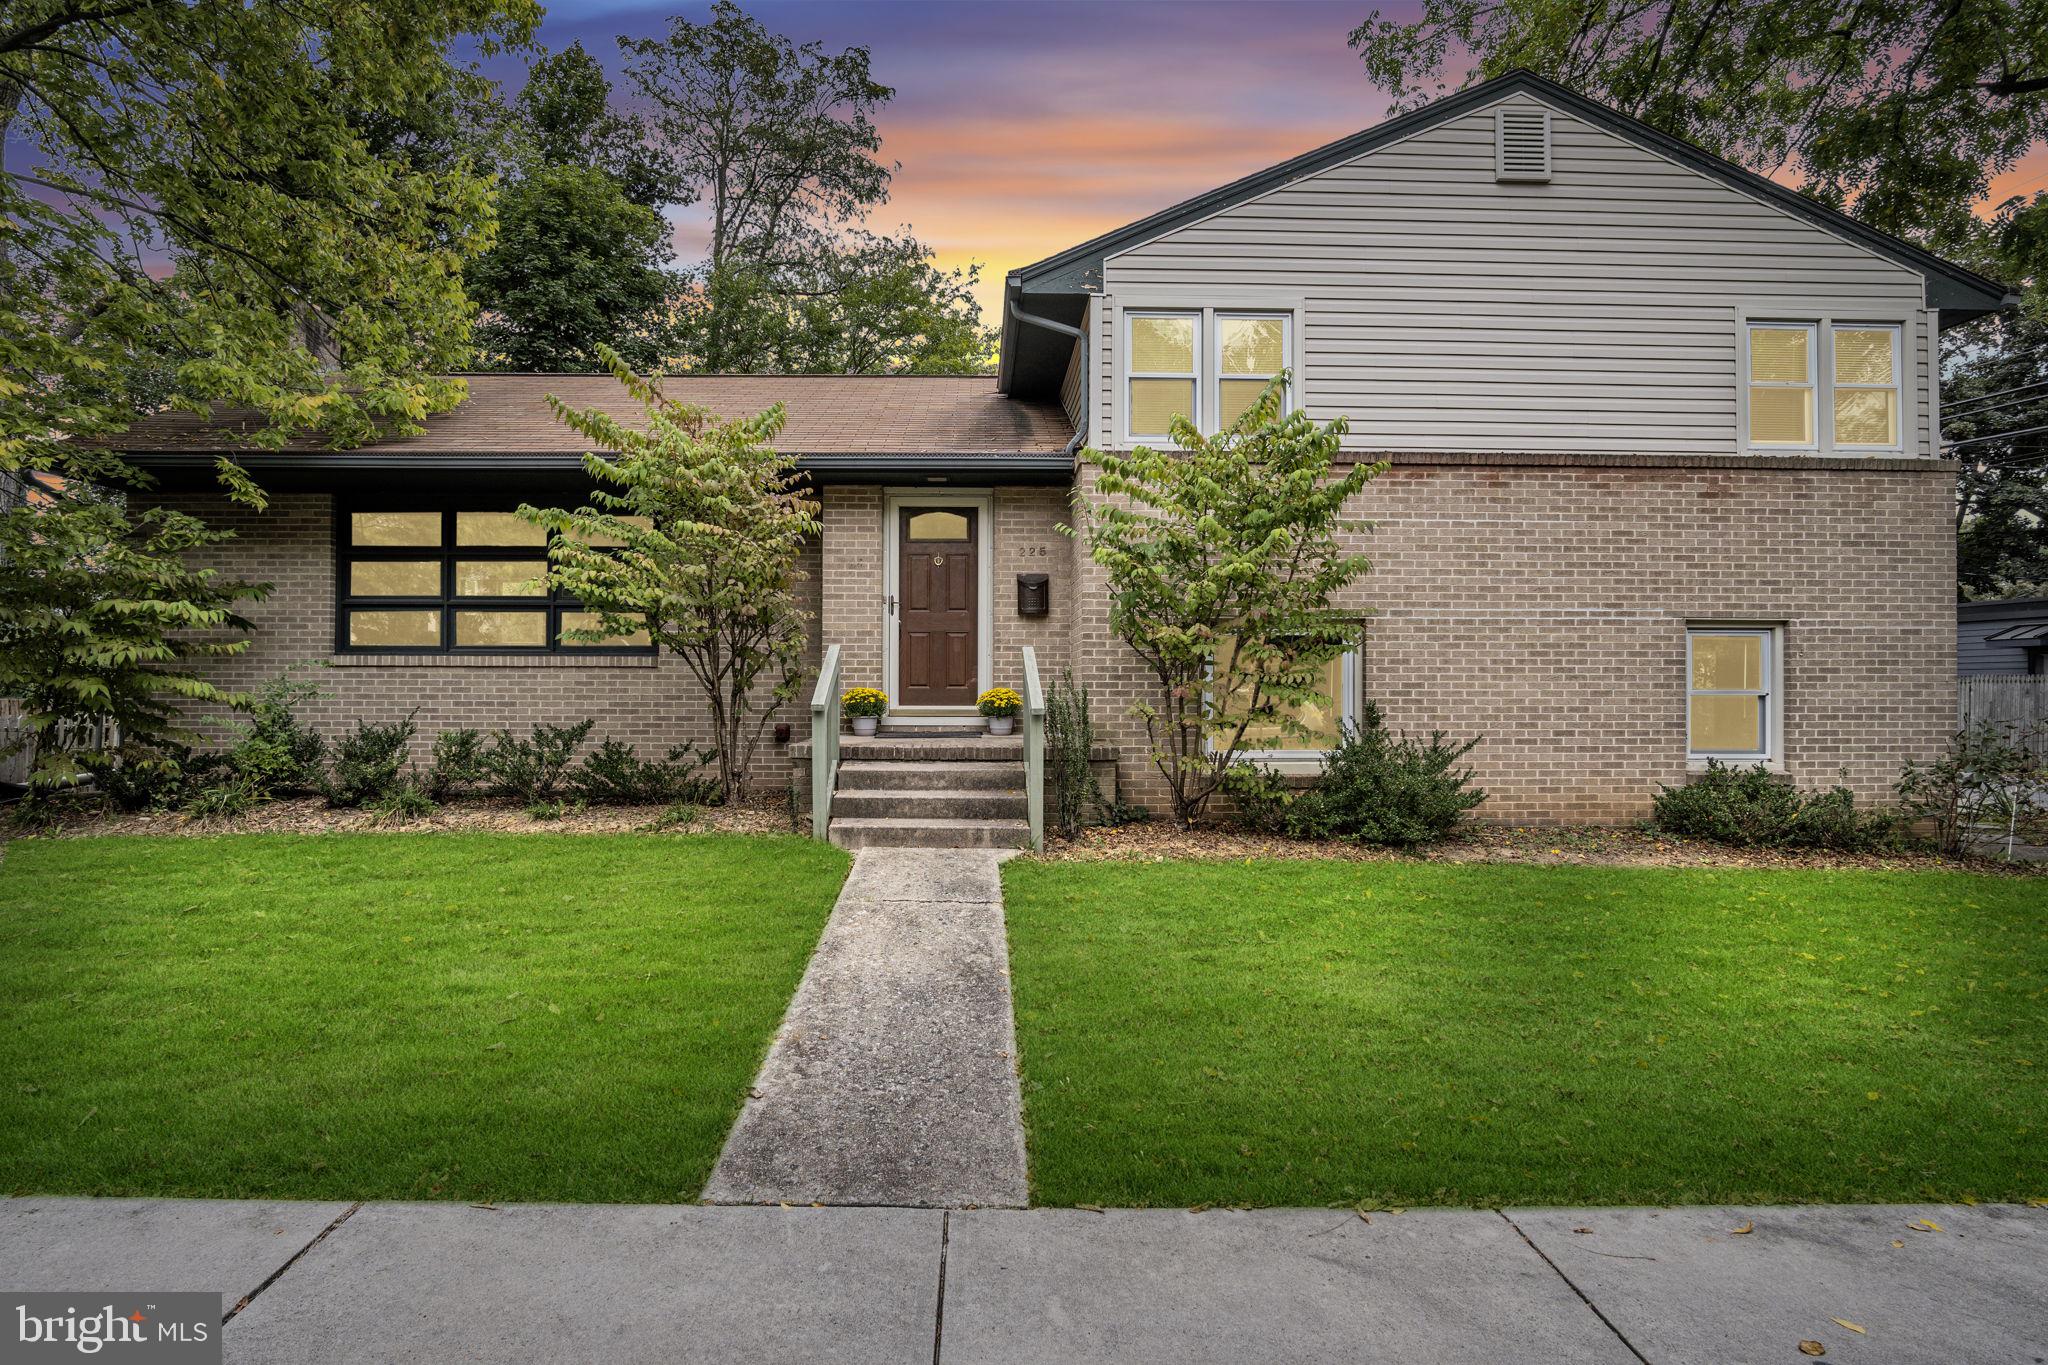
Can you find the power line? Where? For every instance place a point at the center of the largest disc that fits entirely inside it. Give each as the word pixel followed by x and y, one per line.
pixel 1952 414
pixel 1999 436
pixel 1969 403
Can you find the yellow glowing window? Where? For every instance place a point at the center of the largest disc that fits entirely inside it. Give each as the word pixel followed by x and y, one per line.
pixel 1781 398
pixel 1324 720
pixel 1250 352
pixel 1866 386
pixel 1728 693
pixel 1161 373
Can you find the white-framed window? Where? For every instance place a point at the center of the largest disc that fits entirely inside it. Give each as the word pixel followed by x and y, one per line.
pixel 1824 384
pixel 1866 372
pixel 1325 722
pixel 1781 385
pixel 1251 351
pixel 1207 363
pixel 1162 379
pixel 1732 708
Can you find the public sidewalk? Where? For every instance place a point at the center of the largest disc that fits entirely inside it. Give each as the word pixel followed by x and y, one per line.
pixel 445 1282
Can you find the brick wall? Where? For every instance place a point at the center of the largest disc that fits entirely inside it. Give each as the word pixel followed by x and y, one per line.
pixel 1541 605
pixel 651 703
pixel 1544 606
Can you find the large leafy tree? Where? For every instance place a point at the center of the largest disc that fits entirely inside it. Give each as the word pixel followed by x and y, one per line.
pixel 310 275
pixel 1224 566
pixel 206 201
pixel 776 142
pixel 577 265
pixel 563 117
pixel 693 535
pixel 1898 113
pixel 583 254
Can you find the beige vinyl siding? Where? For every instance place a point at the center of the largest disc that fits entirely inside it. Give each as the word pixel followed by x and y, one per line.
pixel 1446 311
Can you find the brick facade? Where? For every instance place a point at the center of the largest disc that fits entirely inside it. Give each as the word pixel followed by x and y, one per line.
pixel 1544 604
pixel 649 702
pixel 1539 603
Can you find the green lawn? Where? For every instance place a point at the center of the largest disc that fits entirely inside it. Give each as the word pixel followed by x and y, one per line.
pixel 438 1016
pixel 1399 1033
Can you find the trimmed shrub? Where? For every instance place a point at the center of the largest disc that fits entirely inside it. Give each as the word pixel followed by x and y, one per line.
pixel 532 770
pixel 1379 787
pixel 277 752
pixel 458 764
pixel 1754 808
pixel 141 779
pixel 368 761
pixel 612 774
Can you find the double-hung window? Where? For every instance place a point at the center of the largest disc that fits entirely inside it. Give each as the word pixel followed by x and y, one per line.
pixel 1824 385
pixel 1731 703
pixel 1163 378
pixel 1251 350
pixel 450 580
pixel 1208 365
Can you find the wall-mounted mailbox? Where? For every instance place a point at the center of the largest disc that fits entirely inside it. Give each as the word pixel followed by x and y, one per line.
pixel 1034 594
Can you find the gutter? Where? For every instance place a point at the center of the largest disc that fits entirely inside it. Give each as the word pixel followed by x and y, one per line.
pixel 1028 465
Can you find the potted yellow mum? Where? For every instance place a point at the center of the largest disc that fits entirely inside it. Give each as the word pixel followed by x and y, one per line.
pixel 865 706
pixel 1001 706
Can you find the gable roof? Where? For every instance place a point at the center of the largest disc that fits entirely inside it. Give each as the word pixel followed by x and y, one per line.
pixel 1960 293
pixel 854 420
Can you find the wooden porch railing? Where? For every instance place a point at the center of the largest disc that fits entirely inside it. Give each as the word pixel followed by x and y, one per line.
pixel 1034 749
pixel 825 743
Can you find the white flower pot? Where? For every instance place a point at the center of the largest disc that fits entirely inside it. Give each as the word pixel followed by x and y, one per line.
pixel 864 725
pixel 1000 725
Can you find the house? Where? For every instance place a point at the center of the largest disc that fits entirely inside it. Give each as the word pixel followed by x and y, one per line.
pixel 2002 637
pixel 1666 481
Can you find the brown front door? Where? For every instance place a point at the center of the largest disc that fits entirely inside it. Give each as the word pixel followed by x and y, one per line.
pixel 937 652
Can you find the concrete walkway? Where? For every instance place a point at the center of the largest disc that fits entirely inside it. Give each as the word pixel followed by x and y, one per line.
pixel 893 1079
pixel 442 1282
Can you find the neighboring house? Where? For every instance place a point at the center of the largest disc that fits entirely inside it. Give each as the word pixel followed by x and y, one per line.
pixel 1665 476
pixel 2002 637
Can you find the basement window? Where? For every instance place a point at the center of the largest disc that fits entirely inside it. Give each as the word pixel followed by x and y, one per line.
pixel 452 580
pixel 1731 696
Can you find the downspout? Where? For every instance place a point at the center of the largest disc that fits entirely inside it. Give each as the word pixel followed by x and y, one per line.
pixel 1064 329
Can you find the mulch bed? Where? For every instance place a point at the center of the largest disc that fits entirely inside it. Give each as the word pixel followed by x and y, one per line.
pixel 1599 846
pixel 310 815
pixel 1147 841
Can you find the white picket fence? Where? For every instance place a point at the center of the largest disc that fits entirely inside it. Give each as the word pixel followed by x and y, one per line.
pixel 2017 701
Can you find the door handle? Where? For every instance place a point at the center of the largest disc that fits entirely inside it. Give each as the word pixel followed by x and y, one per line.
pixel 891 601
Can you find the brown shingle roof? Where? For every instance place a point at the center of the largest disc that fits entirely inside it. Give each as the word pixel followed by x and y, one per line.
pixel 828 414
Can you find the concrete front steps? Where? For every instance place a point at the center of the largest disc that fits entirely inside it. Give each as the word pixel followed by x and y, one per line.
pixel 900 792
pixel 929 790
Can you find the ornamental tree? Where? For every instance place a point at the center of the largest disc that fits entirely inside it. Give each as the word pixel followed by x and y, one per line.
pixel 102 623
pixel 1224 566
pixel 692 535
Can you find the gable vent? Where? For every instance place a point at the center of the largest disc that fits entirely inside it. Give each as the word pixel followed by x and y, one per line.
pixel 1522 143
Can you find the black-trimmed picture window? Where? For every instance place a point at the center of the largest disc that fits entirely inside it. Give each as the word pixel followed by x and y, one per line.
pixel 457 581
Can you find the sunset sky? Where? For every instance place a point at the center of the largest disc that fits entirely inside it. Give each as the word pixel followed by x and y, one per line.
pixel 1026 126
